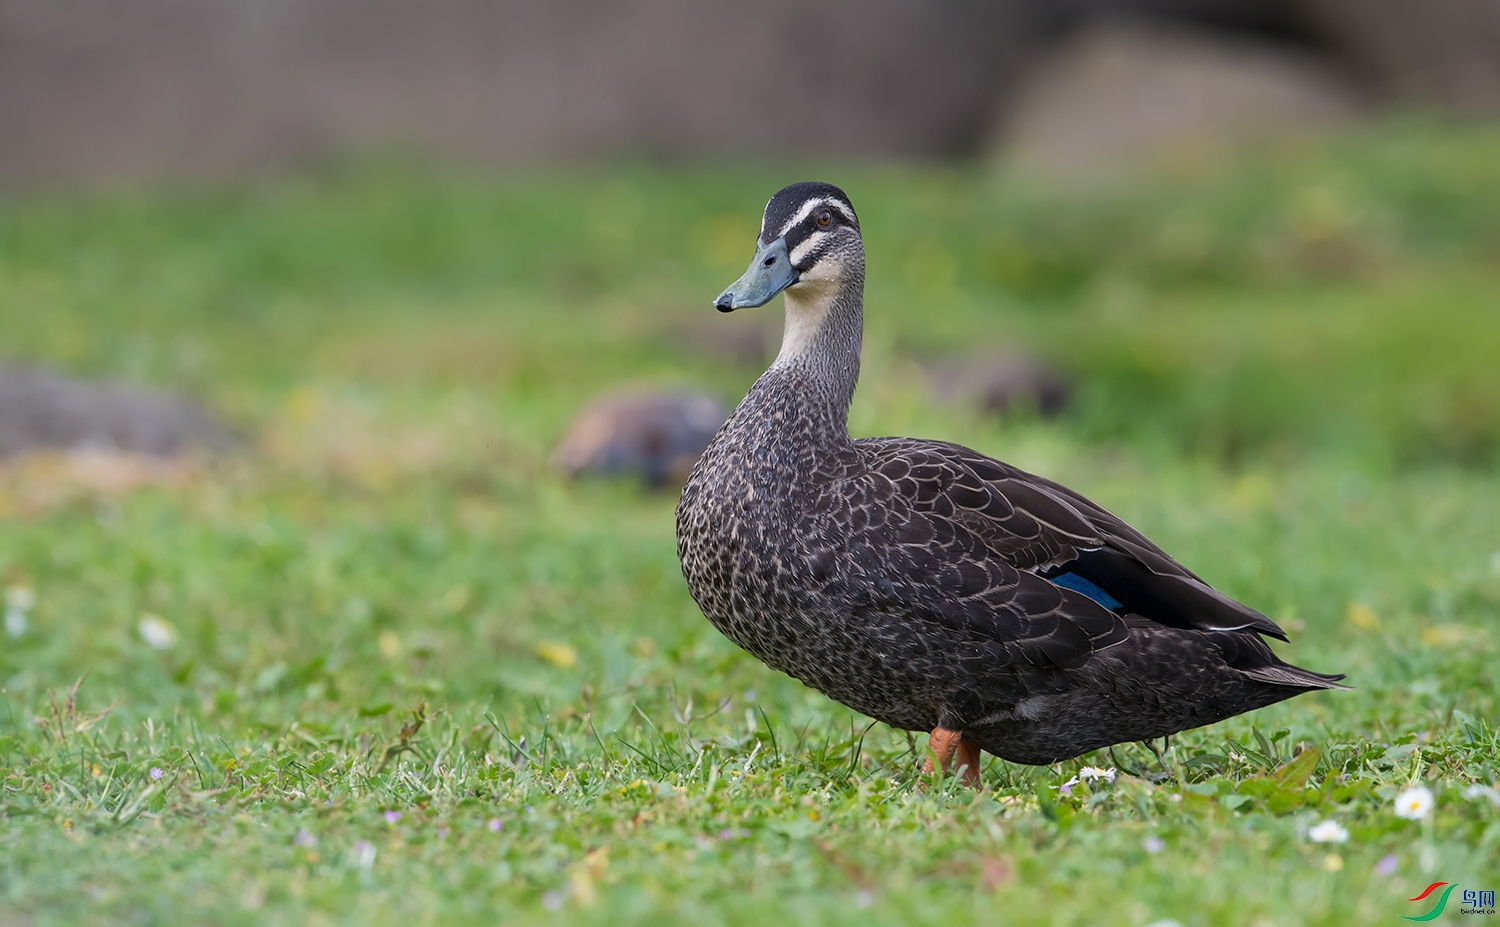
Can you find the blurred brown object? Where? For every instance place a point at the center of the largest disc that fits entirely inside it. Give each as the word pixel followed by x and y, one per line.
pixel 42 480
pixel 1002 383
pixel 40 410
pixel 1122 89
pixel 743 342
pixel 655 436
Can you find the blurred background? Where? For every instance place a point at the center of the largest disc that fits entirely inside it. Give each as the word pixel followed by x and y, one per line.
pixel 460 144
pixel 399 268
pixel 92 91
pixel 319 318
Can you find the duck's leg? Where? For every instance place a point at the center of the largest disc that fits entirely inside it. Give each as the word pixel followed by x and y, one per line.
pixel 968 761
pixel 941 744
pixel 944 744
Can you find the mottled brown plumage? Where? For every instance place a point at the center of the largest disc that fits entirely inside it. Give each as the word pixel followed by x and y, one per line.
pixel 924 584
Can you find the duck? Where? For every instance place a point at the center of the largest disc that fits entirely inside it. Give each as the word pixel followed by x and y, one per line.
pixel 926 585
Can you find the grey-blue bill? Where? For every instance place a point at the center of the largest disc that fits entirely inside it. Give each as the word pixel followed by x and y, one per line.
pixel 770 272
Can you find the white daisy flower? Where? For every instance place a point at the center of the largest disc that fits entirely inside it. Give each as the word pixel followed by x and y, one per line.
pixel 1477 791
pixel 157 632
pixel 1094 772
pixel 18 601
pixel 1415 803
pixel 1329 831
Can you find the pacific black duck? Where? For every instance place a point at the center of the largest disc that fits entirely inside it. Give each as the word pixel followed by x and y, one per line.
pixel 926 585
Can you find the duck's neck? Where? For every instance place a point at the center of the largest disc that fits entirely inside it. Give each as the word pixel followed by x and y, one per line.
pixel 811 382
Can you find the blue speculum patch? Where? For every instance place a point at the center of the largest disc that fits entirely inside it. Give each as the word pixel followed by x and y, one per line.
pixel 1078 584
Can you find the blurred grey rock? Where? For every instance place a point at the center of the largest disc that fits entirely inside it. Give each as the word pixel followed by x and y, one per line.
pixel 1123 89
pixel 1442 51
pixel 655 436
pixel 1002 383
pixel 40 410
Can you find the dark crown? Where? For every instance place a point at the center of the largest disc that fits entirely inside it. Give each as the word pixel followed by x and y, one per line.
pixel 792 201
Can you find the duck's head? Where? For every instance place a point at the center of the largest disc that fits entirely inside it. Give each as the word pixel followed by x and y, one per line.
pixel 809 241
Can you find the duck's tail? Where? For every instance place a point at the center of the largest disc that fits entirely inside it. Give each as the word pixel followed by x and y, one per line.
pixel 1285 674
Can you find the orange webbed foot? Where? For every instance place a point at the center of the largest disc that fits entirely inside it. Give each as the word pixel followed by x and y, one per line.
pixel 945 746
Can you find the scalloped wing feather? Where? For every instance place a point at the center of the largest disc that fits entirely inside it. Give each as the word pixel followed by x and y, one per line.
pixel 1042 528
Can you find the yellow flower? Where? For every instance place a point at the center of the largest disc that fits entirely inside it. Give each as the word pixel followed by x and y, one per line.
pixel 389 643
pixel 557 654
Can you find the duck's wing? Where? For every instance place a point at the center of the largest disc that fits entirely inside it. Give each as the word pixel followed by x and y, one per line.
pixel 1047 531
pixel 898 556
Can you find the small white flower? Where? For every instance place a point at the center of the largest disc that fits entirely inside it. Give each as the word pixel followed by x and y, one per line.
pixel 1329 831
pixel 1153 844
pixel 18 601
pixel 1084 774
pixel 1477 791
pixel 156 631
pixel 1415 803
pixel 364 855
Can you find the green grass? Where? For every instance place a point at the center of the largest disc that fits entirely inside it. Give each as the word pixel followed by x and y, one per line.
pixel 1287 378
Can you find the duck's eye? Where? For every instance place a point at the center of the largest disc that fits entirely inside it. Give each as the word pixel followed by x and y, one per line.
pixel 824 218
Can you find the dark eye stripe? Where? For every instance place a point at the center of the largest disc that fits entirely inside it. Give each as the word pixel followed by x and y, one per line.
pixel 810 247
pixel 807 211
pixel 800 204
